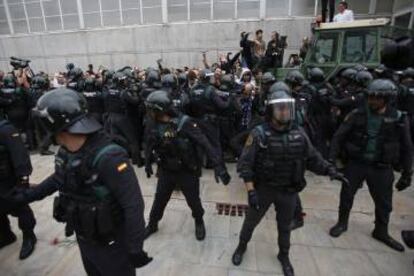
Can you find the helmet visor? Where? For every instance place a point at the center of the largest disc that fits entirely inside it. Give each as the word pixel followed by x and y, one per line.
pixel 283 110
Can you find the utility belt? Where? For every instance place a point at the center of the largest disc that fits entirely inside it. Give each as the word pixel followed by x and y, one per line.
pixel 177 164
pixel 94 221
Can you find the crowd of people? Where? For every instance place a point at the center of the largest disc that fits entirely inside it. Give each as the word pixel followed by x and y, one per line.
pixel 354 127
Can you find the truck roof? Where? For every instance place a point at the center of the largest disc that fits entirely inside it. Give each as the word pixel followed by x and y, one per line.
pixel 354 24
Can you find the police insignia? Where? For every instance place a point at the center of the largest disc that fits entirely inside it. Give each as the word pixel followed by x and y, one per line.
pixel 122 167
pixel 249 141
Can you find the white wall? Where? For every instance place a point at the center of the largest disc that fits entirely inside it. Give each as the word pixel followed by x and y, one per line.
pixel 178 44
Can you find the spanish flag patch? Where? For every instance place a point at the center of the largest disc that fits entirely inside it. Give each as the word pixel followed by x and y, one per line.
pixel 122 167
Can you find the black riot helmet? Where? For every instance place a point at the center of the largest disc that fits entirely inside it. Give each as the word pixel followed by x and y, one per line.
pixel 159 102
pixel 382 88
pixel 170 82
pixel 294 78
pixel 120 80
pixel 227 82
pixel 70 66
pixel 9 81
pixel 153 79
pixel 408 73
pixel 90 85
pixel 363 78
pixel 316 75
pixel 182 79
pixel 63 109
pixel 349 74
pixel 279 86
pixel 268 78
pixel 205 75
pixel 280 106
pixel 39 82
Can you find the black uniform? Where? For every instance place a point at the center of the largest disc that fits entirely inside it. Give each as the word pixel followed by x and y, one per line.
pixel 275 162
pixel 204 105
pixel 373 145
pixel 15 167
pixel 98 184
pixel 176 147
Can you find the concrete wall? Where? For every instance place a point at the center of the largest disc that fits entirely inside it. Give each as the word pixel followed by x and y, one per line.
pixel 178 44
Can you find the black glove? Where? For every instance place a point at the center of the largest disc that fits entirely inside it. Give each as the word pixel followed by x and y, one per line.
pixel 140 259
pixel 222 174
pixel 403 183
pixel 335 175
pixel 253 199
pixel 148 170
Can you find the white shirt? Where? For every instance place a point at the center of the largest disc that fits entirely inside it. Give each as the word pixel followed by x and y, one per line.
pixel 346 16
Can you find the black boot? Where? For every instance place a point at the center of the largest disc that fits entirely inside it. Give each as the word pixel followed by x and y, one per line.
pixel 28 244
pixel 8 238
pixel 341 226
pixel 408 238
pixel 150 229
pixel 380 233
pixel 286 265
pixel 238 253
pixel 200 229
pixel 297 222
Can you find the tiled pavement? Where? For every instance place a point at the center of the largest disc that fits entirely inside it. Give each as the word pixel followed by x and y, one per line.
pixel 176 252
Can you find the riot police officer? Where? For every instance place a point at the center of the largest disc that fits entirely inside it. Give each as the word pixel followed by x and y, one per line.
pixel 36 132
pixel 272 167
pixel 99 196
pixel 15 169
pixel 375 137
pixel 117 124
pixel 15 103
pixel 76 80
pixel 406 96
pixel 204 104
pixel 94 97
pixel 175 143
pixel 319 112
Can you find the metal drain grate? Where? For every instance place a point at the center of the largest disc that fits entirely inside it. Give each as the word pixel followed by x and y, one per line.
pixel 228 209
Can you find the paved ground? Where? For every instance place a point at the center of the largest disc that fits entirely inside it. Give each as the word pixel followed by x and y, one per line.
pixel 176 252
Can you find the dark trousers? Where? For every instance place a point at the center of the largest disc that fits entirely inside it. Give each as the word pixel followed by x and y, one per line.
pixel 284 202
pixel 167 181
pixel 325 9
pixel 380 184
pixel 106 260
pixel 24 214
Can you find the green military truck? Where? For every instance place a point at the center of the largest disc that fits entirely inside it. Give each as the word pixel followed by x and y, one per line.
pixel 338 45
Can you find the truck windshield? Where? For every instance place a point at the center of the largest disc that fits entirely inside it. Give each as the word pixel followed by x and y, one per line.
pixel 325 48
pixel 360 46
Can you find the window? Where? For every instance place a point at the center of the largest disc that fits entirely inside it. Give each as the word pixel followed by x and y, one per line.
pixel 52 14
pixel 152 11
pixel 360 46
pixel 402 4
pixel 224 9
pixel 18 16
pixel 91 13
pixel 70 14
pixel 403 20
pixel 4 27
pixel 200 9
pixel 131 12
pixel 277 8
pixel 110 13
pixel 384 6
pixel 325 48
pixel 358 6
pixel 303 7
pixel 177 10
pixel 248 8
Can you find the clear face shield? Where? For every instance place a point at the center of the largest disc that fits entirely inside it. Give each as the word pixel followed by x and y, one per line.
pixel 283 110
